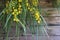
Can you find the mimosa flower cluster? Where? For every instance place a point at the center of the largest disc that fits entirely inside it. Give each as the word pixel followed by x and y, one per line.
pixel 16 8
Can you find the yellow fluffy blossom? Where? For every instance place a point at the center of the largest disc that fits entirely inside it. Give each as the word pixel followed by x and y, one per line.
pixel 19 9
pixel 35 2
pixel 19 0
pixel 27 4
pixel 31 9
pixel 19 12
pixel 19 6
pixel 16 19
pixel 13 13
pixel 39 21
pixel 15 10
pixel 28 8
pixel 26 0
pixel 37 16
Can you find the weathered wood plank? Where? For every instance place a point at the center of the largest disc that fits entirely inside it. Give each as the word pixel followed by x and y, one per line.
pixel 54 30
pixel 52 20
pixel 50 12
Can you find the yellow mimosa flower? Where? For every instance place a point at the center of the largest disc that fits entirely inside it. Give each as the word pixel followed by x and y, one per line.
pixel 37 16
pixel 35 2
pixel 20 6
pixel 26 0
pixel 38 21
pixel 27 4
pixel 19 0
pixel 16 19
pixel 15 10
pixel 19 9
pixel 19 12
pixel 13 13
pixel 31 9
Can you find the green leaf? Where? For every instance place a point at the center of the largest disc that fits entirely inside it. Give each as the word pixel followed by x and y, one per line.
pixel 45 28
pixel 7 20
pixel 2 11
pixel 1 17
pixel 17 30
pixel 24 27
pixel 8 30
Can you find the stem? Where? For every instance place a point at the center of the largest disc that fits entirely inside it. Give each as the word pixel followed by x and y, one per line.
pixel 2 12
pixel 45 24
pixel 17 31
pixel 23 27
pixel 7 20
